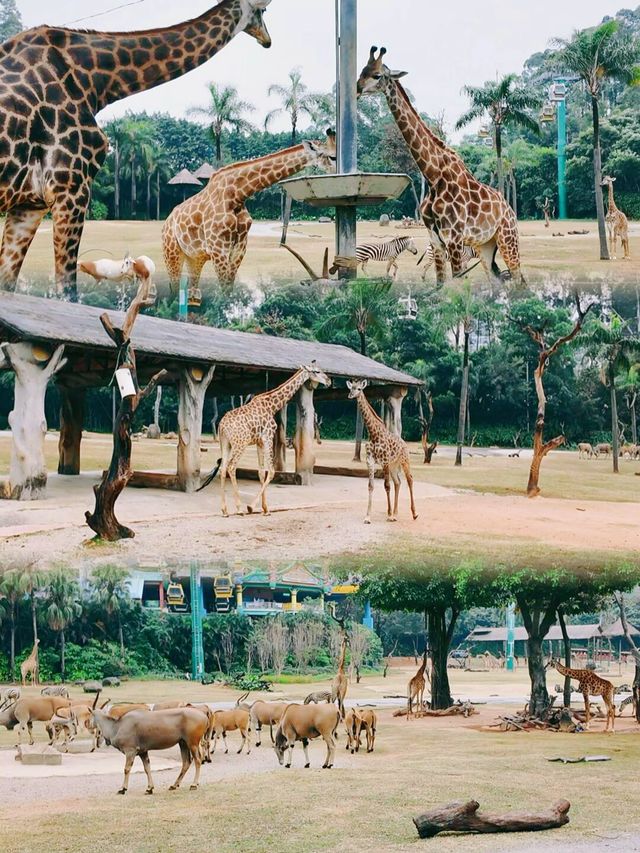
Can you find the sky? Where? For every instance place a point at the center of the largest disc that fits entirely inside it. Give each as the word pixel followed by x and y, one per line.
pixel 442 46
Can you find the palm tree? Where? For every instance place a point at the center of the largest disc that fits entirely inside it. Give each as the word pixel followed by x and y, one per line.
pixel 11 591
pixel 111 593
pixel 136 151
pixel 629 384
pixel 296 100
pixel 225 112
pixel 597 56
pixel 63 605
pixel 361 306
pixel 115 132
pixel 30 580
pixel 506 103
pixel 616 349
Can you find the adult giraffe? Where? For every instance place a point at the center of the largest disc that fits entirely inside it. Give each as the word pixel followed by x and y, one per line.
pixel 459 211
pixel 53 81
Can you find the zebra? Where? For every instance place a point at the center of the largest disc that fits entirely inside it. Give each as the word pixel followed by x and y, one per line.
pixel 56 690
pixel 468 254
pixel 9 696
pixel 319 697
pixel 387 251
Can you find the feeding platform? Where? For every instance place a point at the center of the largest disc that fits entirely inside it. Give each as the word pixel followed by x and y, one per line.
pixel 346 190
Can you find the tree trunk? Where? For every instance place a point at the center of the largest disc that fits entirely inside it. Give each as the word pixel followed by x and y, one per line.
pixel 539 700
pixel 121 637
pixel 597 179
pixel 148 195
pixel 62 661
pixel 464 817
pixel 566 697
pixel 218 138
pixel 158 194
pixel 464 396
pixel 34 621
pixel 12 648
pixel 615 433
pixel 134 189
pixel 192 388
pixel 116 181
pixel 514 193
pixel 540 449
pixel 357 455
pixel 439 641
pixel 156 406
pixel 72 404
pixel 303 441
pixel 500 166
pixel 634 418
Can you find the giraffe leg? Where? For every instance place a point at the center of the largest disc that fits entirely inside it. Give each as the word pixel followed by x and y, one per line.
pixel 614 246
pixel 19 230
pixel 269 471
pixel 371 465
pixel 69 213
pixel 194 269
pixel 387 488
pixel 174 257
pixel 396 493
pixel 587 710
pixel 409 478
pixel 625 248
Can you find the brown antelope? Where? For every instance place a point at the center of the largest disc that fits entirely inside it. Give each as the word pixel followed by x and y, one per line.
pixel 237 719
pixel 33 709
pixel 117 712
pixel 72 719
pixel 265 714
pixel 586 451
pixel 138 732
pixel 304 723
pixel 367 719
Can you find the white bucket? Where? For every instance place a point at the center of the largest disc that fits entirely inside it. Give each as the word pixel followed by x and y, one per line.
pixel 125 382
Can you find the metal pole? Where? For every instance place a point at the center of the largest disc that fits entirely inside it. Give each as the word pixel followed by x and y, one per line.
pixel 367 619
pixel 347 122
pixel 183 306
pixel 562 159
pixel 511 636
pixel 197 648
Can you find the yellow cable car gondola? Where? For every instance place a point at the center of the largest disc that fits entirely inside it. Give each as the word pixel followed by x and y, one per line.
pixel 176 601
pixel 194 297
pixel 223 592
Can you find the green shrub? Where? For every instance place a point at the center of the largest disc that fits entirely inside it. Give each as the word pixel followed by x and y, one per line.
pixel 629 203
pixel 98 210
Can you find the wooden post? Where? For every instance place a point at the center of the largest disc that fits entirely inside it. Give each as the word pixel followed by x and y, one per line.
pixel 393 411
pixel 303 441
pixel 192 389
pixel 462 816
pixel 33 367
pixel 103 519
pixel 72 401
pixel 280 441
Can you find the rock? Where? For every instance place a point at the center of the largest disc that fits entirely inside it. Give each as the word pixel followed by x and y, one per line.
pixel 39 754
pixel 325 219
pixel 112 681
pixel 77 747
pixel 153 431
pixel 384 220
pixel 172 436
pixel 92 686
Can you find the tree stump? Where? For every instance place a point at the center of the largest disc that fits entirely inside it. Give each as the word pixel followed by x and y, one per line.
pixel 303 441
pixel 461 816
pixel 33 368
pixel 192 389
pixel 103 519
pixel 72 402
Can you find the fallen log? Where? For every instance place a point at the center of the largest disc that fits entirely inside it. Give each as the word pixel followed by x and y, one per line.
pixel 462 816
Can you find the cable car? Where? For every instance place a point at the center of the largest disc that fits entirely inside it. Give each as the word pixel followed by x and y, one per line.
pixel 408 307
pixel 558 92
pixel 488 141
pixel 223 592
pixel 484 131
pixel 176 601
pixel 548 113
pixel 194 297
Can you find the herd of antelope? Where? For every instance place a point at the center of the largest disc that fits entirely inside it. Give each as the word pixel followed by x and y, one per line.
pixel 590 451
pixel 135 729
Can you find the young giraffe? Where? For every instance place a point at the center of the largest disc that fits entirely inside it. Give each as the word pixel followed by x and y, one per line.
pixel 385 448
pixel 459 211
pixel 617 223
pixel 415 690
pixel 254 423
pixel 340 682
pixel 31 666
pixel 53 81
pixel 214 224
pixel 590 684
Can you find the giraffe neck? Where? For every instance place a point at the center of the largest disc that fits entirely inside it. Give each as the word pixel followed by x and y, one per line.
pixel 428 150
pixel 612 204
pixel 343 653
pixel 281 395
pixel 252 176
pixel 565 670
pixel 111 66
pixel 373 423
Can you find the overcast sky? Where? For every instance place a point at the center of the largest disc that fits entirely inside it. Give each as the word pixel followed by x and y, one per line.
pixel 443 45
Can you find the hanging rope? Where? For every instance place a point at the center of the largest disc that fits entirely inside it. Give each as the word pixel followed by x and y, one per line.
pixel 105 12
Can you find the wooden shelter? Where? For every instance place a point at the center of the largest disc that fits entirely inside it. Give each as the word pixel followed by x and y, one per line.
pixel 40 338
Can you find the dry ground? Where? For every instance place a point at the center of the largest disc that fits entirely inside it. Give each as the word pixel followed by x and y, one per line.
pixel 544 257
pixel 460 509
pixel 249 803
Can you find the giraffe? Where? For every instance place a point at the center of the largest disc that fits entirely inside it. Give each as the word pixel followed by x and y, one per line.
pixel 415 689
pixel 214 224
pixel 459 211
pixel 617 223
pixel 31 666
pixel 254 423
pixel 53 81
pixel 340 682
pixel 590 684
pixel 385 448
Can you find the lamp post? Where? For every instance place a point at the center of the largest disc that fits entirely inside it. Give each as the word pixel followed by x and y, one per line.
pixel 558 96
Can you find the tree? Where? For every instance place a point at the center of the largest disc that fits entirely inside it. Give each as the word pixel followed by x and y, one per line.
pixel 598 56
pixel 616 349
pixel 629 384
pixel 10 590
pixel 10 19
pixel 360 306
pixel 224 113
pixel 296 101
pixel 506 103
pixel 30 580
pixel 111 592
pixel 546 351
pixel 136 150
pixel 62 606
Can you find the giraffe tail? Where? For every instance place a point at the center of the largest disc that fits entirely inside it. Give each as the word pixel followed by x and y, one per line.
pixel 211 476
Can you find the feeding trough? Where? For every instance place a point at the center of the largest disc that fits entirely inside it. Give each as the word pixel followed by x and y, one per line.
pixel 349 188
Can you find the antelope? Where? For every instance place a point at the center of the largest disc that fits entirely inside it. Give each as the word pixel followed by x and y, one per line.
pixel 304 723
pixel 34 709
pixel 70 720
pixel 238 719
pixel 138 732
pixel 265 714
pixel 367 719
pixel 586 451
pixel 109 270
pixel 117 712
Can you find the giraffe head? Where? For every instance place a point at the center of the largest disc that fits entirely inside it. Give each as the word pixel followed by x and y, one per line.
pixel 323 154
pixel 356 388
pixel 315 375
pixel 607 181
pixel 375 74
pixel 550 664
pixel 252 21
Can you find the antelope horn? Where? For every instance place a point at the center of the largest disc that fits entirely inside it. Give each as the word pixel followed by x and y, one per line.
pixel 325 264
pixel 295 254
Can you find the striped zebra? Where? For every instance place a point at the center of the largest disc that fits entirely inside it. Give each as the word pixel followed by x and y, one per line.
pixel 55 690
pixel 388 251
pixel 9 696
pixel 468 254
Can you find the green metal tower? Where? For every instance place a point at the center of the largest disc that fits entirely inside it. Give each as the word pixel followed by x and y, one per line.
pixel 197 647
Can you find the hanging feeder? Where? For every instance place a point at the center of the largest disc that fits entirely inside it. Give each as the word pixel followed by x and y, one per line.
pixel 125 382
pixel 194 297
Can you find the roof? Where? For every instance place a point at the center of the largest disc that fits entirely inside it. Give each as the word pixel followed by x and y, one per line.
pixel 54 321
pixel 483 634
